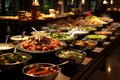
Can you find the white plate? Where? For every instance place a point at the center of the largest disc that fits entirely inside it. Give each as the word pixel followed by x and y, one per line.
pixel 19 37
pixel 6 46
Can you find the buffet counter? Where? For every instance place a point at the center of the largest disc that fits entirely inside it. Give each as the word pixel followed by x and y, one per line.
pixel 83 71
pixel 24 17
pixel 25 24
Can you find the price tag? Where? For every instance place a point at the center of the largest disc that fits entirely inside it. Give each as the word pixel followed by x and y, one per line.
pixel 112 38
pixel 106 43
pixel 117 34
pixel 86 61
pixel 98 50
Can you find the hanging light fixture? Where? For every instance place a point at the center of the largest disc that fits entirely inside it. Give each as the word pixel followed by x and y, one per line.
pixel 105 2
pixel 83 1
pixel 35 2
pixel 72 2
pixel 111 2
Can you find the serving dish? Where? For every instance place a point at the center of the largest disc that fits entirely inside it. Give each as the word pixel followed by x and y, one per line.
pixel 41 71
pixel 103 32
pixel 44 45
pixel 19 47
pixel 17 38
pixel 85 44
pixel 6 46
pixel 13 60
pixel 106 19
pixel 74 56
pixel 87 28
pixel 96 37
pixel 62 36
pixel 38 33
pixel 78 31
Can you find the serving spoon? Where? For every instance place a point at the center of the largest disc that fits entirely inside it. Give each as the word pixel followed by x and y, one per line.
pixel 49 67
pixel 7 36
pixel 15 50
pixel 34 29
pixel 23 34
pixel 60 64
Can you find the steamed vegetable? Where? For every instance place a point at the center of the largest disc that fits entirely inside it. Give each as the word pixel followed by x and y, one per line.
pixel 13 58
pixel 70 54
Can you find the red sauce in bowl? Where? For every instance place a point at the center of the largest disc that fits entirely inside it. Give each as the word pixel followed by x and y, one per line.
pixel 41 71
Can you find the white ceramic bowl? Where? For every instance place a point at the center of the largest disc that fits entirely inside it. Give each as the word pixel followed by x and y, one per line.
pixel 38 33
pixel 6 46
pixel 18 38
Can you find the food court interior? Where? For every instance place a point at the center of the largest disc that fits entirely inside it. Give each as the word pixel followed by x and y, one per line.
pixel 91 26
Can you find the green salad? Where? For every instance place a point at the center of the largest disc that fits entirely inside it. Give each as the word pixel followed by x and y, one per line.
pixel 71 54
pixel 97 36
pixel 61 36
pixel 88 28
pixel 9 58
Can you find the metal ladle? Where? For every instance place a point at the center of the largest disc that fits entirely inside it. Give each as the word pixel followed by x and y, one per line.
pixel 15 50
pixel 7 37
pixel 23 34
pixel 34 29
pixel 58 64
pixel 37 32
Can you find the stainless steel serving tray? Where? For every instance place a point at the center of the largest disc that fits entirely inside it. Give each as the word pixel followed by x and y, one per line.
pixel 19 47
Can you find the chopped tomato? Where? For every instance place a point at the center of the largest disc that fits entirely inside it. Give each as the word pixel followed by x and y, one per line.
pixel 25 45
pixel 50 47
pixel 45 48
pixel 57 42
pixel 38 47
pixel 31 48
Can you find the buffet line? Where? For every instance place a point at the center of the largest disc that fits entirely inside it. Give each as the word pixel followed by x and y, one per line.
pixel 64 50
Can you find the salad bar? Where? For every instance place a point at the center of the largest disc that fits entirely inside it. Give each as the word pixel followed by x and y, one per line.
pixel 80 54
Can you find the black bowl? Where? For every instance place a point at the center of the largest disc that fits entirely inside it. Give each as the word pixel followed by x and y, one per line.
pixel 84 44
pixel 6 46
pixel 13 60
